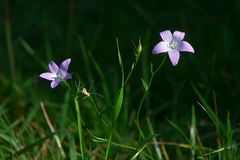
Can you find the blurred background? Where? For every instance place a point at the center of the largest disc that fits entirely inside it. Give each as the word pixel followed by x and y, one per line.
pixel 34 32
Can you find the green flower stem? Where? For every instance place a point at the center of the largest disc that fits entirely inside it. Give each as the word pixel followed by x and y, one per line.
pixel 119 101
pixel 67 84
pixel 153 73
pixel 80 131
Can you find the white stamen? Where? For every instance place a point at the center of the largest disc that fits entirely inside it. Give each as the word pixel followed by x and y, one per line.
pixel 172 45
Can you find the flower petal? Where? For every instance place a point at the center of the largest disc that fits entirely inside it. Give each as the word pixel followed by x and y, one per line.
pixel 174 57
pixel 55 83
pixel 65 64
pixel 53 67
pixel 48 76
pixel 160 48
pixel 166 35
pixel 68 76
pixel 178 35
pixel 185 46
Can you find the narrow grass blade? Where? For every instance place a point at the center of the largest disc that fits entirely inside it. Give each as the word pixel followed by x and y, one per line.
pixel 205 106
pixel 9 42
pixel 180 131
pixel 118 105
pixel 30 50
pixel 229 134
pixel 193 133
pixel 207 109
pixel 156 147
pixel 56 137
pixel 72 147
pixel 103 78
pixel 86 59
pixel 80 129
pixel 30 147
pixel 136 154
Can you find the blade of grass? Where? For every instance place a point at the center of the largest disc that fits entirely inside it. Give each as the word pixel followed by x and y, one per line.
pixel 204 105
pixel 103 78
pixel 229 134
pixel 124 146
pixel 193 133
pixel 72 147
pixel 56 137
pixel 30 50
pixel 180 130
pixel 30 146
pixel 138 152
pixel 80 130
pixel 118 104
pixel 219 128
pixel 156 147
pixel 86 60
pixel 64 111
pixel 9 42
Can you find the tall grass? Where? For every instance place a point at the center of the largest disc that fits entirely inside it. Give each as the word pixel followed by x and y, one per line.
pixel 99 132
pixel 119 109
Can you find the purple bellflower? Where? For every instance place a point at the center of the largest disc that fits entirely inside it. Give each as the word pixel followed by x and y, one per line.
pixel 57 74
pixel 173 44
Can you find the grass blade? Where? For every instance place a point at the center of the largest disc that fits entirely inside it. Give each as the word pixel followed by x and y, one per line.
pixel 193 133
pixel 207 109
pixel 30 147
pixel 156 147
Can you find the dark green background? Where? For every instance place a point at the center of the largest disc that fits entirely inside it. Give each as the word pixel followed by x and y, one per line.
pixel 53 28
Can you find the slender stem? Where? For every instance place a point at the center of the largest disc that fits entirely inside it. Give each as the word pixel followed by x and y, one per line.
pixel 80 131
pixel 133 67
pixel 67 84
pixel 146 92
pixel 109 143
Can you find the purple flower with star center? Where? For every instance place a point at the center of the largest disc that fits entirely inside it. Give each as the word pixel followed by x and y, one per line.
pixel 173 44
pixel 57 74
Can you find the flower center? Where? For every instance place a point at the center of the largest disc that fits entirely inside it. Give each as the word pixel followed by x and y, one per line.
pixel 172 45
pixel 61 74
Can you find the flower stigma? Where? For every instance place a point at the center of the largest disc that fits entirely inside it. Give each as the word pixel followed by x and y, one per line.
pixel 172 45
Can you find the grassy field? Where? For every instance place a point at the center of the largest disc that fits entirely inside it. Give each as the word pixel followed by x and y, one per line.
pixel 122 102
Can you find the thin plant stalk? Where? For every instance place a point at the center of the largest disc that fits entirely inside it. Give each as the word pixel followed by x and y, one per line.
pixel 153 73
pixel 80 130
pixel 118 104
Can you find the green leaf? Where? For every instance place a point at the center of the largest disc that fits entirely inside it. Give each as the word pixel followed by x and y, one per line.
pixel 203 103
pixel 145 85
pixel 118 105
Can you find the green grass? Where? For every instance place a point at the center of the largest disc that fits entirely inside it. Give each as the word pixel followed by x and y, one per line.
pixel 123 102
